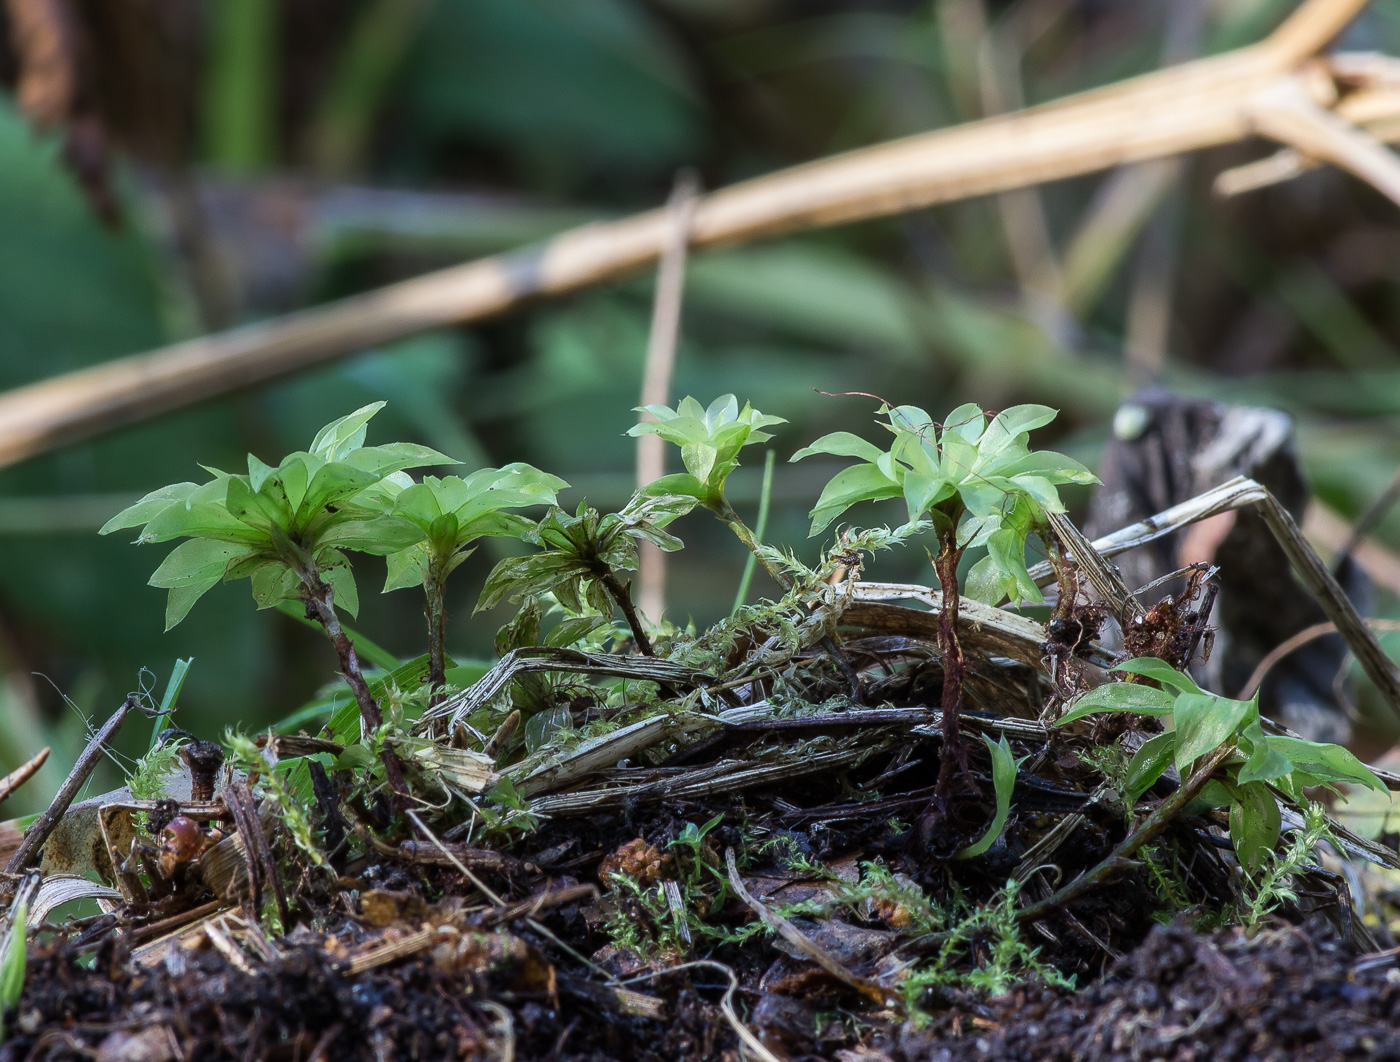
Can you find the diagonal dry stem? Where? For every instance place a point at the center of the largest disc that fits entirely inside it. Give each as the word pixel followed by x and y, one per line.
pixel 1316 576
pixel 1179 109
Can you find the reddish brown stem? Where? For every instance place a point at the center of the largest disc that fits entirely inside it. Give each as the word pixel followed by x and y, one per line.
pixel 436 610
pixel 953 759
pixel 319 599
pixel 623 597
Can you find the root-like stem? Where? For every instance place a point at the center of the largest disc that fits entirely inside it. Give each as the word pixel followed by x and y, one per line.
pixel 623 596
pixel 319 602
pixel 436 609
pixel 952 763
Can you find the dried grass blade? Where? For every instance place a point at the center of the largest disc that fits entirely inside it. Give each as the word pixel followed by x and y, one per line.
pixel 443 717
pixel 1103 577
pixel 1171 111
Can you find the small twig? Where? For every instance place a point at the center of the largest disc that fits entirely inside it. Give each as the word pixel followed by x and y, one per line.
pixel 1121 858
pixel 219 936
pixel 660 365
pixel 22 774
pixel 1297 641
pixel 152 930
pixel 794 936
pixel 750 1041
pixel 535 904
pixel 37 834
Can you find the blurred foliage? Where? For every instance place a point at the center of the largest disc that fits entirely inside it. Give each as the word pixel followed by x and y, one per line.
pixel 268 154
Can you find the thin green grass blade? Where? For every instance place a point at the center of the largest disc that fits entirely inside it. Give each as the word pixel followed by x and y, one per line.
pixel 760 528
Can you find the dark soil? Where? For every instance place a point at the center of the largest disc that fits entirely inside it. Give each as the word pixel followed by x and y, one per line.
pixel 1291 993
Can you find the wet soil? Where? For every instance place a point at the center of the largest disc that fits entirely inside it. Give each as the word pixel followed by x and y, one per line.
pixel 1288 993
pixel 1293 993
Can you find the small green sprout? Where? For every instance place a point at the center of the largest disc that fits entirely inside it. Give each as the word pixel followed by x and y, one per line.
pixel 1004 766
pixel 12 962
pixel 710 440
pixel 1201 723
pixel 581 556
pixel 451 514
pixel 286 530
pixel 978 483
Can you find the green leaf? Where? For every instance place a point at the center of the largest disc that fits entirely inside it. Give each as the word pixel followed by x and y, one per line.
pixel 1007 550
pixel 1042 490
pixel 378 536
pixel 258 473
pixel 967 420
pixel 12 962
pixel 263 509
pixel 331 485
pixel 985 582
pixel 849 486
pixel 1204 722
pixel 200 520
pixel 182 598
pixel 342 436
pixel 1161 671
pixel 380 461
pixel 354 758
pixel 146 509
pixel 567 632
pixel 841 444
pixel 1147 765
pixel 542 726
pixel 1214 794
pixel 1255 821
pixel 1327 763
pixel 405 568
pixel 1004 765
pixel 342 583
pixel 1057 468
pixel 171 696
pixel 197 562
pixel 273 583
pixel 1263 763
pixel 681 484
pixel 1119 697
pixel 1007 427
pixel 295 473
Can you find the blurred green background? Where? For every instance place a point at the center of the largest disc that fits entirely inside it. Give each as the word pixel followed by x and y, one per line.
pixel 206 164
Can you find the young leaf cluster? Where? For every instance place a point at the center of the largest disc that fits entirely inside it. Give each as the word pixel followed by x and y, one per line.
pixel 975 478
pixel 453 512
pixel 580 551
pixel 1201 722
pixel 278 527
pixel 710 440
pixel 1004 767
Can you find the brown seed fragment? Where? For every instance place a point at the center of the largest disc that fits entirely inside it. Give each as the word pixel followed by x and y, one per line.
pixel 642 862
